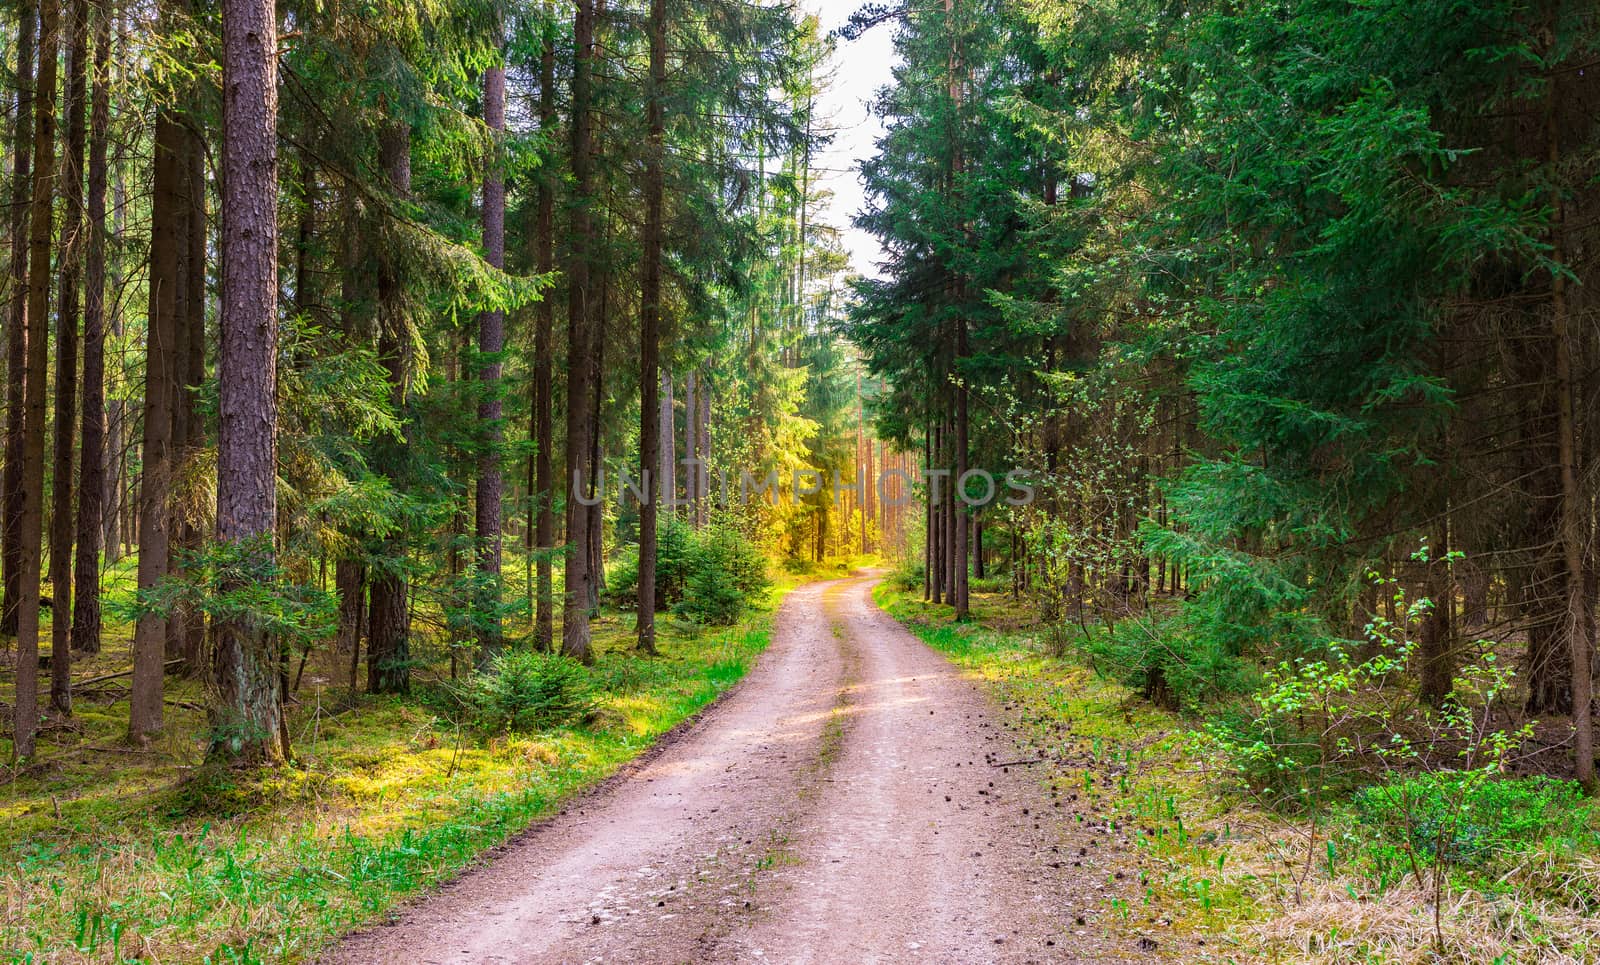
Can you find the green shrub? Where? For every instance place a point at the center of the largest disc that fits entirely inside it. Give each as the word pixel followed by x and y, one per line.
pixel 725 572
pixel 1445 815
pixel 1293 763
pixel 710 601
pixel 906 575
pixel 1171 662
pixel 709 576
pixel 622 577
pixel 675 550
pixel 524 690
pixel 993 583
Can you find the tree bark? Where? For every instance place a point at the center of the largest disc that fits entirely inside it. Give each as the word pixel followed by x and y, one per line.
pixel 667 475
pixel 864 453
pixel 17 321
pixel 491 341
pixel 543 352
pixel 650 325
pixel 247 720
pixel 25 712
pixel 960 517
pixel 597 567
pixel 575 634
pixel 161 350
pixel 92 482
pixel 691 447
pixel 703 512
pixel 1579 608
pixel 1436 636
pixel 977 549
pixel 69 260
pixel 389 627
pixel 186 628
pixel 350 585
pixel 112 530
pixel 936 508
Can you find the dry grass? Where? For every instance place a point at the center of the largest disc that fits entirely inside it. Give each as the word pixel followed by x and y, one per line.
pixel 1227 879
pixel 1398 927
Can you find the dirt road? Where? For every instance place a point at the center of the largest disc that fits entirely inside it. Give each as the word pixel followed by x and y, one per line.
pixel 839 806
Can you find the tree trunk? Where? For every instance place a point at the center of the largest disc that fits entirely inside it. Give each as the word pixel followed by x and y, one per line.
pixel 936 504
pixel 25 712
pixel 247 719
pixel 350 584
pixel 17 321
pixel 75 26
pixel 961 519
pixel 389 629
pixel 575 637
pixel 116 419
pixel 932 581
pixel 544 338
pixel 667 476
pixel 388 633
pixel 650 326
pixel 92 484
pixel 864 447
pixel 491 341
pixel 1574 528
pixel 977 548
pixel 703 436
pixel 597 567
pixel 1436 637
pixel 691 446
pixel 150 632
pixel 186 628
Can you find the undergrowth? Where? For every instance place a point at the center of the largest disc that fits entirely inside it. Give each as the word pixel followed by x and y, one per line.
pixel 1224 875
pixel 120 855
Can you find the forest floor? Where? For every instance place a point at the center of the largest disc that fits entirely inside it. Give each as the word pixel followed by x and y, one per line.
pixel 1217 874
pixel 857 798
pixel 110 853
pixel 885 784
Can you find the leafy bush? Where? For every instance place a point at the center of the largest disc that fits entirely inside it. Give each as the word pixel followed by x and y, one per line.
pixel 725 573
pixel 524 690
pixel 1466 822
pixel 1169 662
pixel 675 545
pixel 993 583
pixel 906 575
pixel 709 576
pixel 1274 756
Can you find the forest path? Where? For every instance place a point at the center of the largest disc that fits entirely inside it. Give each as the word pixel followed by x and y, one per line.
pixel 840 805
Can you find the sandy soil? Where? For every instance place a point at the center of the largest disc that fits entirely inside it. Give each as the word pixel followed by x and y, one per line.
pixel 844 803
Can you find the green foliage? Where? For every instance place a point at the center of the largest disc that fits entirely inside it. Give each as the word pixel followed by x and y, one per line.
pixel 1318 721
pixel 1172 661
pixel 383 799
pixel 725 573
pixel 907 574
pixel 523 691
pixel 1451 817
pixel 709 576
pixel 241 582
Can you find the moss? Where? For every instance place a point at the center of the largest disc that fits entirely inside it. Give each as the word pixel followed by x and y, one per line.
pixel 112 850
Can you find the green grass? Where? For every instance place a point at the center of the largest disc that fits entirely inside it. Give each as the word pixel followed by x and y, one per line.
pixel 1130 765
pixel 1252 883
pixel 121 855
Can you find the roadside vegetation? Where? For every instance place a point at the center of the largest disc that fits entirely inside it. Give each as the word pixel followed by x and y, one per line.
pixel 1254 842
pixel 117 854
